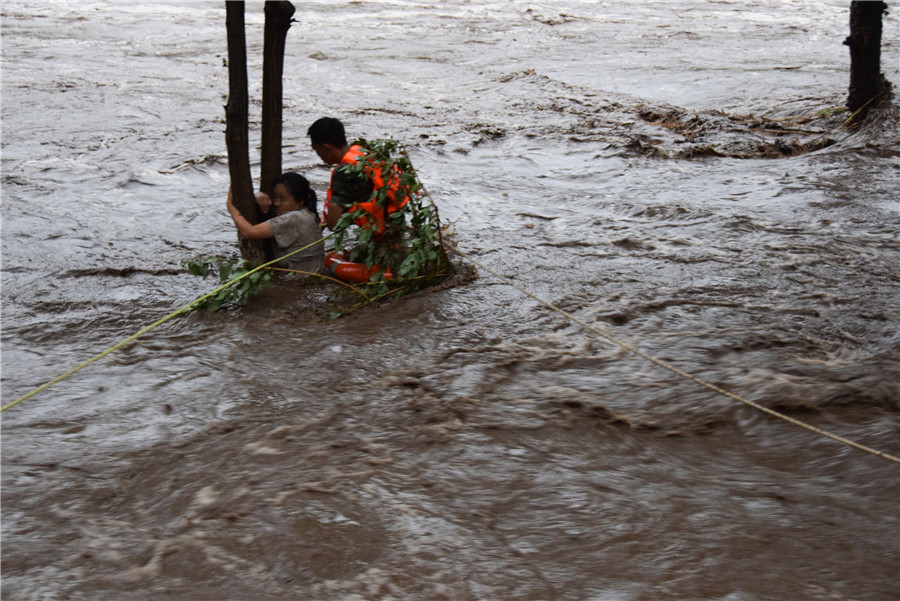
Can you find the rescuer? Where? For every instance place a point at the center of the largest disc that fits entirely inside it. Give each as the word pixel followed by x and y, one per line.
pixel 348 191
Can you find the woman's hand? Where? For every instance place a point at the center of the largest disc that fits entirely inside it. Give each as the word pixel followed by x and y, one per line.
pixel 244 227
pixel 263 202
pixel 235 213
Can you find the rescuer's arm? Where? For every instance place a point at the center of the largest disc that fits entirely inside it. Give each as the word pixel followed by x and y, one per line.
pixel 347 189
pixel 334 214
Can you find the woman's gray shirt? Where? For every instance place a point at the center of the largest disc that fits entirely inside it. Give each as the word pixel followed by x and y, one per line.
pixel 294 230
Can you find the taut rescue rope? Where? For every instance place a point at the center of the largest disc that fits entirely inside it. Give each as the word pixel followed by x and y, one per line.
pixel 606 335
pixel 598 331
pixel 143 331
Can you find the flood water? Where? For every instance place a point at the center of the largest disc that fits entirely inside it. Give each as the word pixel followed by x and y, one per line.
pixel 625 161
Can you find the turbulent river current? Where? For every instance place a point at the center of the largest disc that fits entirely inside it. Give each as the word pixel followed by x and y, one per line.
pixel 674 173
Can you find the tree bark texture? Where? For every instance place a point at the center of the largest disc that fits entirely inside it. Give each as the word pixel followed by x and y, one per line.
pixel 236 127
pixel 278 21
pixel 866 79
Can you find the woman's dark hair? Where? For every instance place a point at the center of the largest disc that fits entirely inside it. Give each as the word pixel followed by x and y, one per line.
pixel 327 130
pixel 298 187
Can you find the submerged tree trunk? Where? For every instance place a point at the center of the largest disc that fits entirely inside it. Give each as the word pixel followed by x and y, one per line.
pixel 278 21
pixel 866 79
pixel 236 127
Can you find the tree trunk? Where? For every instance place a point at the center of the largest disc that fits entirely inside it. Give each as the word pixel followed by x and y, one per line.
pixel 236 127
pixel 866 79
pixel 278 21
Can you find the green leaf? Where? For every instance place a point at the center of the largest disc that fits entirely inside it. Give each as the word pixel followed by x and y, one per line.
pixel 410 265
pixel 224 271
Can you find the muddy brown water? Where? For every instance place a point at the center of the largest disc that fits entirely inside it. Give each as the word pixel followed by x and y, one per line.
pixel 627 162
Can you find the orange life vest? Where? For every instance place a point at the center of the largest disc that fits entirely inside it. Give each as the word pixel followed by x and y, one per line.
pixel 375 215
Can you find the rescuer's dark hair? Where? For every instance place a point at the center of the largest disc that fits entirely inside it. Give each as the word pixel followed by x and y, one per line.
pixel 327 130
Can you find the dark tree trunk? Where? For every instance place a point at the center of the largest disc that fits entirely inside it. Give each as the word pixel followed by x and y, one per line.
pixel 866 79
pixel 236 127
pixel 278 21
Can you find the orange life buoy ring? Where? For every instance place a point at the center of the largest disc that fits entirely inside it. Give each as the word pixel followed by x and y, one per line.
pixel 353 273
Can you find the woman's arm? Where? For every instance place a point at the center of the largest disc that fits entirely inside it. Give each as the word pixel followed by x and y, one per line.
pixel 247 230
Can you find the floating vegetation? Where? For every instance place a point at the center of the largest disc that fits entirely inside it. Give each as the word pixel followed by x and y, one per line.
pixel 243 288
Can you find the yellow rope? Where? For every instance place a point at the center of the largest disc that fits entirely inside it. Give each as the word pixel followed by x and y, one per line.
pixel 600 332
pixel 155 324
pixel 672 368
pixel 325 277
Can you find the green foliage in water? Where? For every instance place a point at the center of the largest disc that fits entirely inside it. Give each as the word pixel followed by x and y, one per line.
pixel 831 111
pixel 241 291
pixel 411 245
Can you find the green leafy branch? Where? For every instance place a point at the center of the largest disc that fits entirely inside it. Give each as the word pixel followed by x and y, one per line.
pixel 411 245
pixel 241 291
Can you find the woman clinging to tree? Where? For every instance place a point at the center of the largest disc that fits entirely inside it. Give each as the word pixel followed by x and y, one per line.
pixel 295 225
